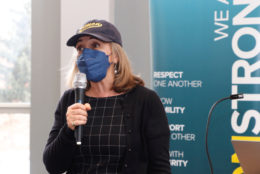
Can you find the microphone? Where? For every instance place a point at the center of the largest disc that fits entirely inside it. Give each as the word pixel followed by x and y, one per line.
pixel 80 84
pixel 231 97
pixel 236 96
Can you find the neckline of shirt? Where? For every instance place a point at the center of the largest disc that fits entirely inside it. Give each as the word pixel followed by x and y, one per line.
pixel 109 97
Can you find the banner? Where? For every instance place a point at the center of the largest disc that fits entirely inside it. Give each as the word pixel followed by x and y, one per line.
pixel 204 51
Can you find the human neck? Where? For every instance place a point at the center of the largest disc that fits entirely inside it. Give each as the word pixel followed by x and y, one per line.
pixel 101 89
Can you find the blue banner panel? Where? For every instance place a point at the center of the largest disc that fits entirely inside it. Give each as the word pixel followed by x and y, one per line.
pixel 204 51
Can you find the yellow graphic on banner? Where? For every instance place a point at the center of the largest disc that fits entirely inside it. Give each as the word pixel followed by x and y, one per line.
pixel 244 138
pixel 90 25
pixel 234 158
pixel 238 170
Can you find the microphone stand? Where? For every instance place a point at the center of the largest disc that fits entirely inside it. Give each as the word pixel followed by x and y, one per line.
pixel 231 97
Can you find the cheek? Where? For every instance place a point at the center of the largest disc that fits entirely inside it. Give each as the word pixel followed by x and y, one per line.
pixel 106 48
pixel 110 59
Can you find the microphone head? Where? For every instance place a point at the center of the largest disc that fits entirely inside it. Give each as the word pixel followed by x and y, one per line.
pixel 236 96
pixel 80 80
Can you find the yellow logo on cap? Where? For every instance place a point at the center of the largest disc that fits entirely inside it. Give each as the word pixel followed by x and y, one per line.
pixel 90 25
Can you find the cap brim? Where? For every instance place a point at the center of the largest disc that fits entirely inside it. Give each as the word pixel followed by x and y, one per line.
pixel 74 39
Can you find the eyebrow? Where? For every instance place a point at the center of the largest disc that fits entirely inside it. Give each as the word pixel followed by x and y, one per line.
pixel 80 40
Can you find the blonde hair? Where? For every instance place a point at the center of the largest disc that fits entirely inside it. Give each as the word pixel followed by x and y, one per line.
pixel 124 79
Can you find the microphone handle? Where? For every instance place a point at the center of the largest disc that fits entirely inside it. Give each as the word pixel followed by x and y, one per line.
pixel 79 98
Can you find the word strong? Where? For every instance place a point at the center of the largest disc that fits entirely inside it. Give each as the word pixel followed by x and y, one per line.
pixel 245 70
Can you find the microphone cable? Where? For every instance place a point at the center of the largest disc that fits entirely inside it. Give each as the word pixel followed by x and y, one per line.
pixel 231 97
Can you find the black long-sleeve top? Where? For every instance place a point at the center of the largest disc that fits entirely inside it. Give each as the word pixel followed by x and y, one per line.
pixel 147 128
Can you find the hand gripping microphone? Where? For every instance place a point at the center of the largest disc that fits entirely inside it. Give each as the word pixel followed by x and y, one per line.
pixel 80 85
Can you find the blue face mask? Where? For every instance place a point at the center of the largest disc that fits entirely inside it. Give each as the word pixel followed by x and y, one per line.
pixel 94 64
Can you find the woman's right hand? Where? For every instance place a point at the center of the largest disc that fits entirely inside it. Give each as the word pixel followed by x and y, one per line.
pixel 77 115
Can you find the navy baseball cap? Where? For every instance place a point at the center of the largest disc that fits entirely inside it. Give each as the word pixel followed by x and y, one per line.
pixel 99 29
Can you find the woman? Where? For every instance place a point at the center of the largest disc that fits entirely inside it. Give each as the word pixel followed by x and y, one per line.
pixel 125 129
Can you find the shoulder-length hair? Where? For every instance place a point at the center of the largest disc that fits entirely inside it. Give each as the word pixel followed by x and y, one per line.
pixel 124 79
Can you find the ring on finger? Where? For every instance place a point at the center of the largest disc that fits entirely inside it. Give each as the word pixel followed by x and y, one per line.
pixel 73 123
